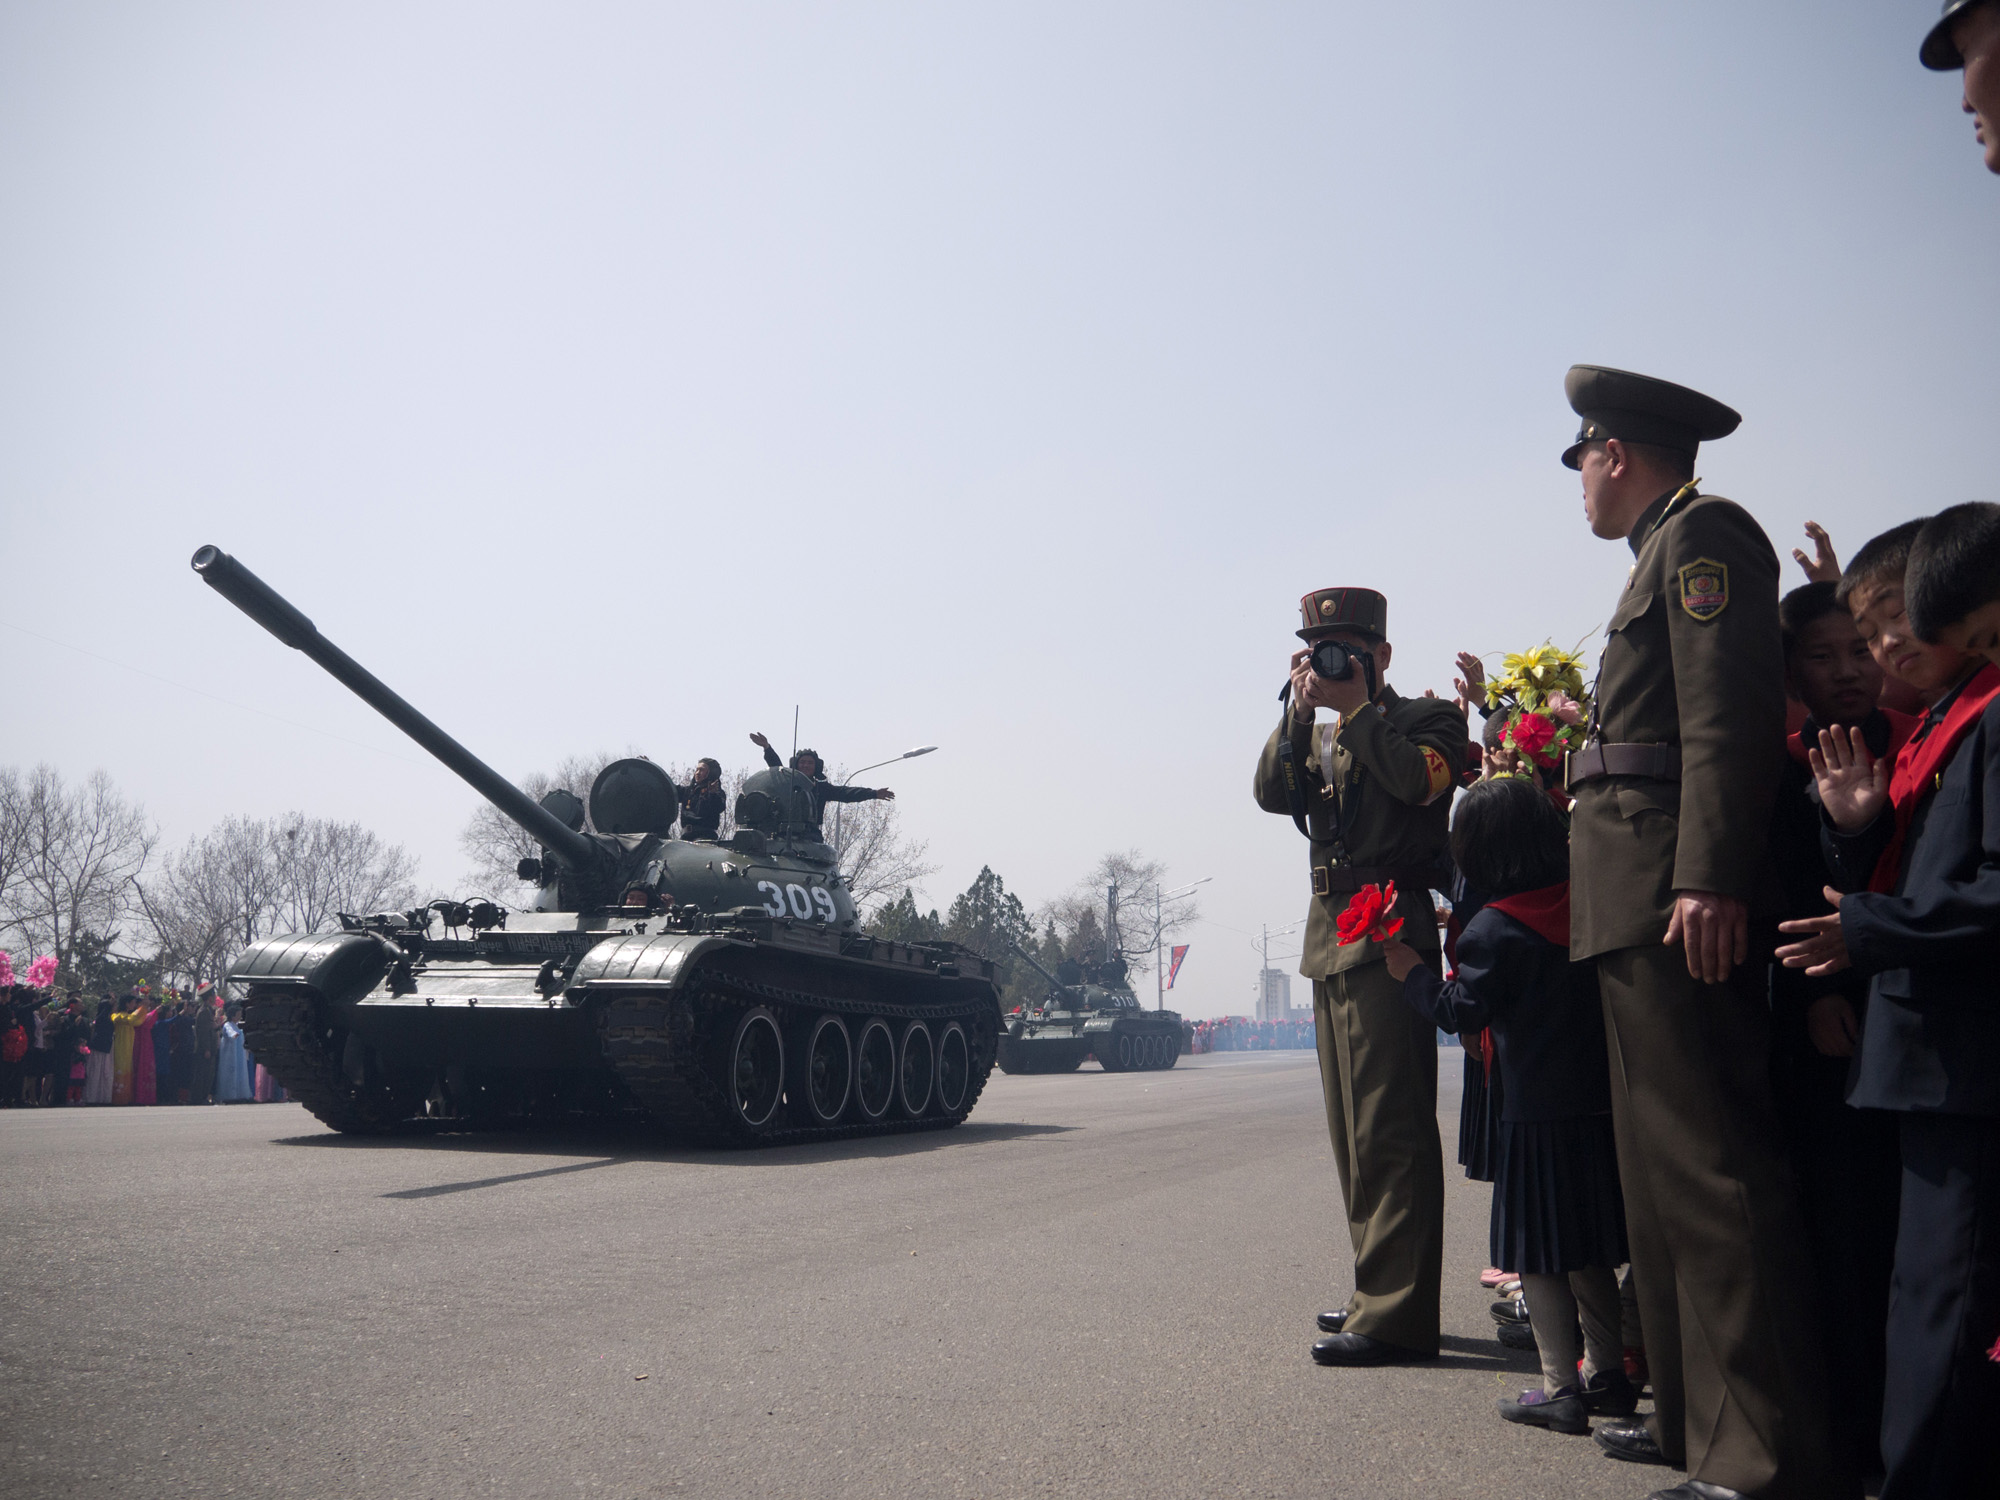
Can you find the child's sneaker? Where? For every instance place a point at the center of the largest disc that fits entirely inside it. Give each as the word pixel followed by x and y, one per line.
pixel 1562 1412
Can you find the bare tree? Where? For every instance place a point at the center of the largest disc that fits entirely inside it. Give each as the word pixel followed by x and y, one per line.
pixel 13 834
pixel 76 851
pixel 1085 916
pixel 876 859
pixel 249 879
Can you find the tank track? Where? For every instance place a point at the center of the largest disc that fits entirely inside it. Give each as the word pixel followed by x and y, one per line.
pixel 284 1033
pixel 659 1042
pixel 1165 1054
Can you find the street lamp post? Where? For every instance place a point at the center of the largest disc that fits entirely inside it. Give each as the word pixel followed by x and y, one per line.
pixel 906 755
pixel 1159 975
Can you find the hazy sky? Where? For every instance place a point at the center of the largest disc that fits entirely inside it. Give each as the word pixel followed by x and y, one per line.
pixel 994 376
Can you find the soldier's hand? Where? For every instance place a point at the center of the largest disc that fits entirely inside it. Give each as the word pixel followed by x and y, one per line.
pixel 1822 948
pixel 1310 690
pixel 1853 785
pixel 1831 1025
pixel 1716 931
pixel 885 795
pixel 1471 680
pixel 760 741
pixel 1822 566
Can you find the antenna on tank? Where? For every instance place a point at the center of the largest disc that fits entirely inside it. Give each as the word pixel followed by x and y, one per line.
pixel 795 731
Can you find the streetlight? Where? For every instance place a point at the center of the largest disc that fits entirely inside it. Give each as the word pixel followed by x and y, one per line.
pixel 1159 977
pixel 906 755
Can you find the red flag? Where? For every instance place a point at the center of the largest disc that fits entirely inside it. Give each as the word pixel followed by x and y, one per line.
pixel 1180 952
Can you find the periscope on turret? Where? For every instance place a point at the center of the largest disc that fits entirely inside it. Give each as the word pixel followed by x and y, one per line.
pixel 721 989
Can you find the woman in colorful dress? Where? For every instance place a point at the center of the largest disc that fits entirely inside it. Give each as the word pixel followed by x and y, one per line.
pixel 232 1065
pixel 125 1029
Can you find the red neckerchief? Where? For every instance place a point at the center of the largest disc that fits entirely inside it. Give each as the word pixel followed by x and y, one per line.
pixel 1901 727
pixel 1923 758
pixel 1544 912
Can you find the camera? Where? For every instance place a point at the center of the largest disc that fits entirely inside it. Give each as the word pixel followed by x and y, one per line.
pixel 1334 661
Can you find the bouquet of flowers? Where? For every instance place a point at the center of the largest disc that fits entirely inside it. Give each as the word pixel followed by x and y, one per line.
pixel 1547 704
pixel 42 972
pixel 1367 918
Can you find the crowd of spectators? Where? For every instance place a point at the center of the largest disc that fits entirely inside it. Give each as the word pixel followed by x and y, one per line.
pixel 136 1049
pixel 1241 1034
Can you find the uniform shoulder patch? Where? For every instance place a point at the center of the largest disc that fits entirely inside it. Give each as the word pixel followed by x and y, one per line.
pixel 1704 586
pixel 1439 773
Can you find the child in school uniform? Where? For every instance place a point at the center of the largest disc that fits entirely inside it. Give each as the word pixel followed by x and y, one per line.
pixel 1914 852
pixel 1558 1218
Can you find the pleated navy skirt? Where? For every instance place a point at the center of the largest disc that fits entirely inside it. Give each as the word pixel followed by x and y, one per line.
pixel 1556 1203
pixel 1478 1118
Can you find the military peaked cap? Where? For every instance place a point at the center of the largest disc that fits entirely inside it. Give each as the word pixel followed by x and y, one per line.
pixel 1326 612
pixel 1640 409
pixel 1939 52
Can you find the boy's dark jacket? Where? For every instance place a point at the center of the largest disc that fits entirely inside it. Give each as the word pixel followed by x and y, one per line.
pixel 1931 1040
pixel 1548 1025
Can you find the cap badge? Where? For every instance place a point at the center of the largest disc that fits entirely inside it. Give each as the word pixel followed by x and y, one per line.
pixel 1704 585
pixel 1328 606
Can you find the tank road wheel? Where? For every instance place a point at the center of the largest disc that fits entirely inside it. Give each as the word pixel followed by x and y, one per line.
pixel 874 1071
pixel 916 1068
pixel 756 1076
pixel 824 1072
pixel 1173 1051
pixel 1126 1059
pixel 954 1068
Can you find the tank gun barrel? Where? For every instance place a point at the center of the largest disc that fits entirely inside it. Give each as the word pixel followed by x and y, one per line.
pixel 268 608
pixel 1054 983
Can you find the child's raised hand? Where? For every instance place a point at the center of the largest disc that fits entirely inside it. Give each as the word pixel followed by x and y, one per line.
pixel 1853 785
pixel 1400 957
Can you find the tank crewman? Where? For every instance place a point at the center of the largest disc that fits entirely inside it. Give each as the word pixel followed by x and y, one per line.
pixel 703 801
pixel 1674 789
pixel 1967 37
pixel 1373 795
pixel 808 764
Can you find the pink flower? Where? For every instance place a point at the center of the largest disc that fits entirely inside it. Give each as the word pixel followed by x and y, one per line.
pixel 42 972
pixel 1565 708
pixel 6 968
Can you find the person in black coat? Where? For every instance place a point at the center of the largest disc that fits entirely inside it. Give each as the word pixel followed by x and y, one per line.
pixel 808 764
pixel 1558 1217
pixel 703 801
pixel 1847 1160
pixel 1915 856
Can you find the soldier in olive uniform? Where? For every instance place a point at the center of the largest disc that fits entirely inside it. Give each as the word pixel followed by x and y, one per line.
pixel 1373 794
pixel 1673 799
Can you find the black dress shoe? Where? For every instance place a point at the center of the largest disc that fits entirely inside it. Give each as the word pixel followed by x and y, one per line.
pixel 1359 1349
pixel 1333 1322
pixel 1516 1336
pixel 1510 1310
pixel 1629 1441
pixel 1698 1489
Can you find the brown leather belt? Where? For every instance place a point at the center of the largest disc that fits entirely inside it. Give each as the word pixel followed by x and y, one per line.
pixel 1653 762
pixel 1345 880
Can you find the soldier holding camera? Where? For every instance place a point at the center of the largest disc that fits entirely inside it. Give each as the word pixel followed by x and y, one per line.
pixel 1372 794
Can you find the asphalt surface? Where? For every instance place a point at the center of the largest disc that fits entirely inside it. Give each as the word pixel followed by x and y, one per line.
pixel 1102 1285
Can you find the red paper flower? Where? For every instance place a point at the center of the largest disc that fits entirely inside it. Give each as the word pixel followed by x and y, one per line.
pixel 1530 734
pixel 1366 919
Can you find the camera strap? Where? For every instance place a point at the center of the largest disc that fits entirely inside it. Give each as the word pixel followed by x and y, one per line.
pixel 1295 791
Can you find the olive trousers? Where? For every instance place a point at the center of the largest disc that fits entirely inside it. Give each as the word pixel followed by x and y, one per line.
pixel 1718 1245
pixel 1378 1062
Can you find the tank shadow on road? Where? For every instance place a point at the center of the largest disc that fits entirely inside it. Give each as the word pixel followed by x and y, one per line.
pixel 635 1144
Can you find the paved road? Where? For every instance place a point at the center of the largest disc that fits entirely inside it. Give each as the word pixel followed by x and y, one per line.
pixel 1101 1285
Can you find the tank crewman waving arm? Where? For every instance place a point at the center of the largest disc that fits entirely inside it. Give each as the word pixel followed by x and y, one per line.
pixel 1373 796
pixel 808 764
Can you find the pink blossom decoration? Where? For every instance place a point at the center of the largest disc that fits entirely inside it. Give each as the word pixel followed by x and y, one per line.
pixel 42 972
pixel 1565 708
pixel 6 968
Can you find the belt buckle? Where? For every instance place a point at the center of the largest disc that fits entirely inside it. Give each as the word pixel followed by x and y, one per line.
pixel 1322 881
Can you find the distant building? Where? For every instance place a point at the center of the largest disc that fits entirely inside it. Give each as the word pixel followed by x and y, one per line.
pixel 1274 997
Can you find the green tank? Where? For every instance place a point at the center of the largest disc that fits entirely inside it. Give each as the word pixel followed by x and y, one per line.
pixel 1091 1013
pixel 722 990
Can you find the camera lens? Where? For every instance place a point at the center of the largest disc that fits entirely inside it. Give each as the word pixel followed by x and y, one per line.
pixel 1332 661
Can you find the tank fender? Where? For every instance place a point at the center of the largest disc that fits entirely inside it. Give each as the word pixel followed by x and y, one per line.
pixel 657 962
pixel 342 966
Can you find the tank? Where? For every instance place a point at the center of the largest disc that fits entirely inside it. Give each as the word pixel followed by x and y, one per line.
pixel 721 990
pixel 1091 1012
